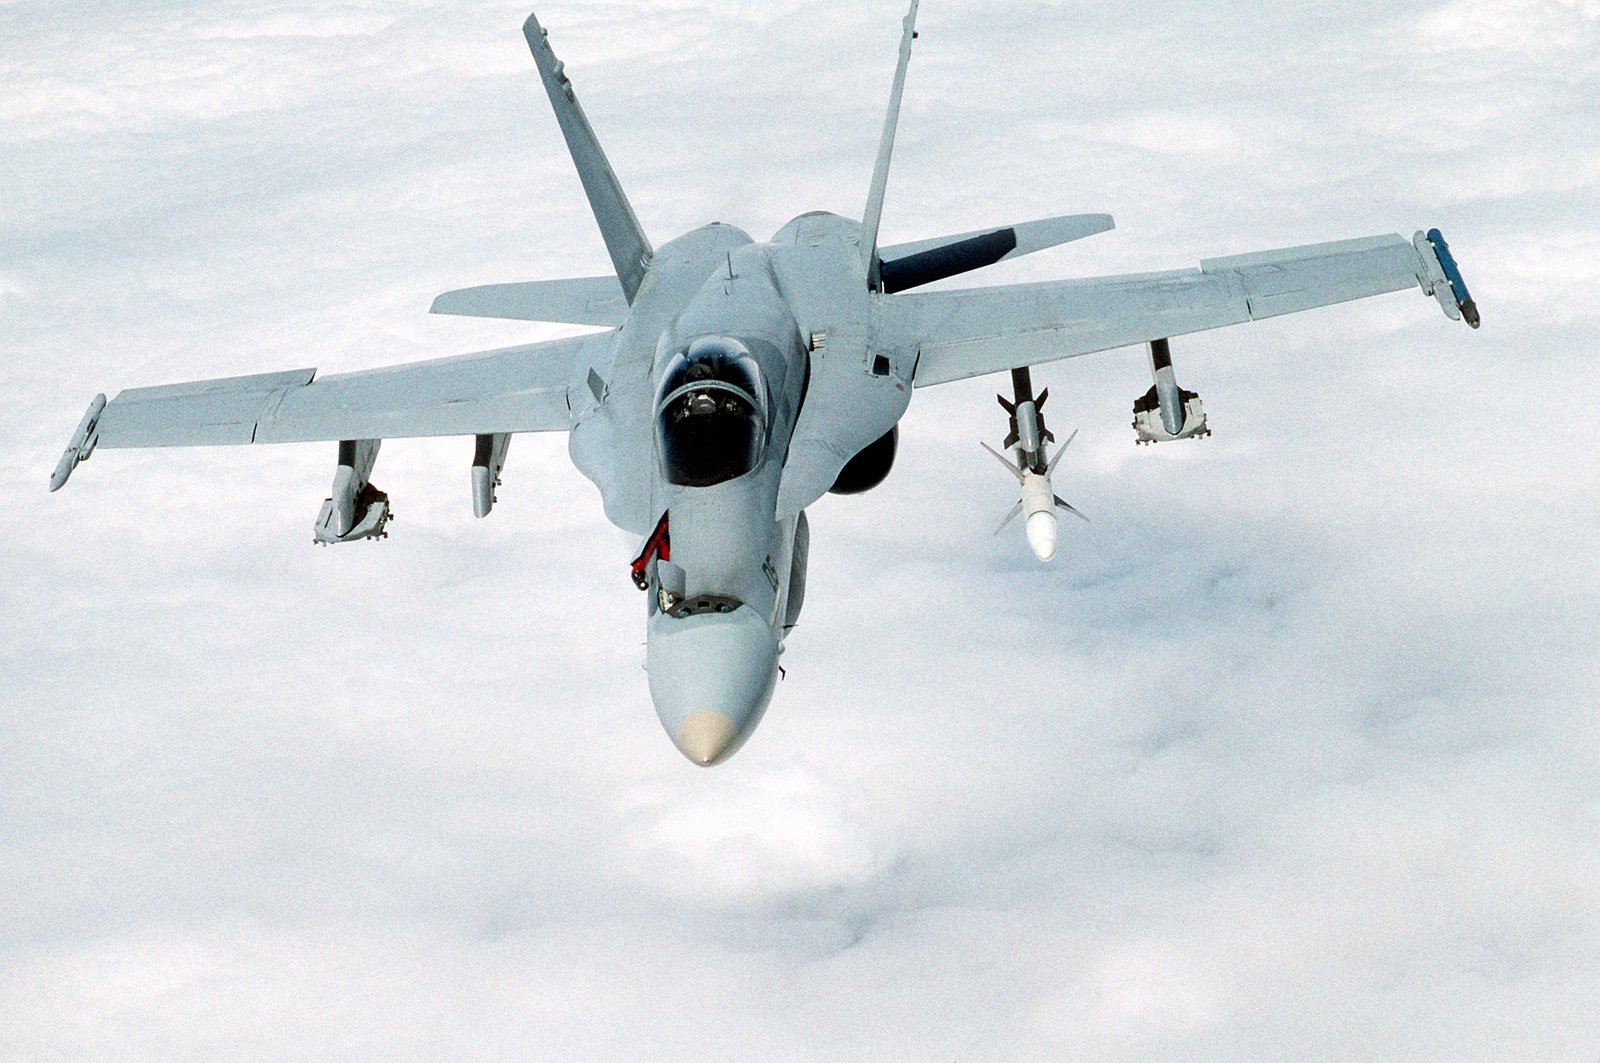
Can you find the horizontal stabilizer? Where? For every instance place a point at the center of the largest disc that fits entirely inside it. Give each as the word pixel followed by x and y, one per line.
pixel 911 265
pixel 575 301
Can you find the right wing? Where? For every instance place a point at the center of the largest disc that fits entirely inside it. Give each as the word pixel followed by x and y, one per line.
pixel 514 389
pixel 974 331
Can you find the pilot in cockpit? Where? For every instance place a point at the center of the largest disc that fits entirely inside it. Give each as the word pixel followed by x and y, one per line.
pixel 711 414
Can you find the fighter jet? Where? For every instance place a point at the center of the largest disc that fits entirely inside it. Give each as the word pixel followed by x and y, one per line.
pixel 737 382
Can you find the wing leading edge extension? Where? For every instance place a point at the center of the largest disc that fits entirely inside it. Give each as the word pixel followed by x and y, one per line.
pixel 514 389
pixel 975 331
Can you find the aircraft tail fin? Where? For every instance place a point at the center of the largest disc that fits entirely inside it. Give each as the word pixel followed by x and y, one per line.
pixel 880 173
pixel 630 250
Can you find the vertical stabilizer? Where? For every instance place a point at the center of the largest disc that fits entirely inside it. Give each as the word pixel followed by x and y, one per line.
pixel 630 251
pixel 880 173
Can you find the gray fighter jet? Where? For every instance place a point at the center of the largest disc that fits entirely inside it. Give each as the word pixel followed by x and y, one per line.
pixel 739 382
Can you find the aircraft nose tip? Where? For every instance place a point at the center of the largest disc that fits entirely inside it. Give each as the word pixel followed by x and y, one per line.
pixel 706 737
pixel 711 678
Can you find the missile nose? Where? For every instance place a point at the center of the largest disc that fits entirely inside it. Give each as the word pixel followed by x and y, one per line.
pixel 1042 530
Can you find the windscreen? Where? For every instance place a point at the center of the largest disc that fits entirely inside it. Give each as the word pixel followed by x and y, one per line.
pixel 710 414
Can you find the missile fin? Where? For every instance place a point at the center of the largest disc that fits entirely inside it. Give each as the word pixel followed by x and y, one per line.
pixel 1051 468
pixel 1015 511
pixel 1012 469
pixel 1070 508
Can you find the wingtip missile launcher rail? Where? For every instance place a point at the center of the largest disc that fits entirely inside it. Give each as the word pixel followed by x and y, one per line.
pixel 81 445
pixel 1441 278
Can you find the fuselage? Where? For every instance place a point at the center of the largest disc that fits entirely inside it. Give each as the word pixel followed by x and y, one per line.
pixel 699 407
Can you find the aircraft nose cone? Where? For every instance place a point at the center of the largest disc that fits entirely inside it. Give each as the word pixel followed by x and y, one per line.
pixel 711 677
pixel 705 737
pixel 1042 531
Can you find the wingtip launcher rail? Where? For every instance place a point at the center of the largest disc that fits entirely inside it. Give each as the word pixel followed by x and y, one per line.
pixel 82 445
pixel 1443 280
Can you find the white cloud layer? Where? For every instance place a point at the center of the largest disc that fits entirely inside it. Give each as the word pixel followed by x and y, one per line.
pixel 1291 754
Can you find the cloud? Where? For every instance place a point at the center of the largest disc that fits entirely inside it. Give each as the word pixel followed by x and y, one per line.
pixel 1513 27
pixel 1166 132
pixel 1294 745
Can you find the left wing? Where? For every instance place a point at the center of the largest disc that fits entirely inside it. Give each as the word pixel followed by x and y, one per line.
pixel 514 389
pixel 974 331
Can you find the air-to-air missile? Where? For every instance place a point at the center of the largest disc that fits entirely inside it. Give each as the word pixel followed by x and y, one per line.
pixel 1030 439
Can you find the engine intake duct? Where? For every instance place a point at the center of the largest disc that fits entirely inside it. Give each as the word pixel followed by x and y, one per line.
pixel 868 468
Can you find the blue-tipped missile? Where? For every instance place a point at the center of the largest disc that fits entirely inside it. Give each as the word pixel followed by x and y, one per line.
pixel 1444 277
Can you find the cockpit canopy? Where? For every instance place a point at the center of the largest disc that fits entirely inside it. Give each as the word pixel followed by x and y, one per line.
pixel 711 413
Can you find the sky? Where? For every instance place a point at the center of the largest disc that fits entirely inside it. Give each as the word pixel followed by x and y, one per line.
pixel 1291 753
